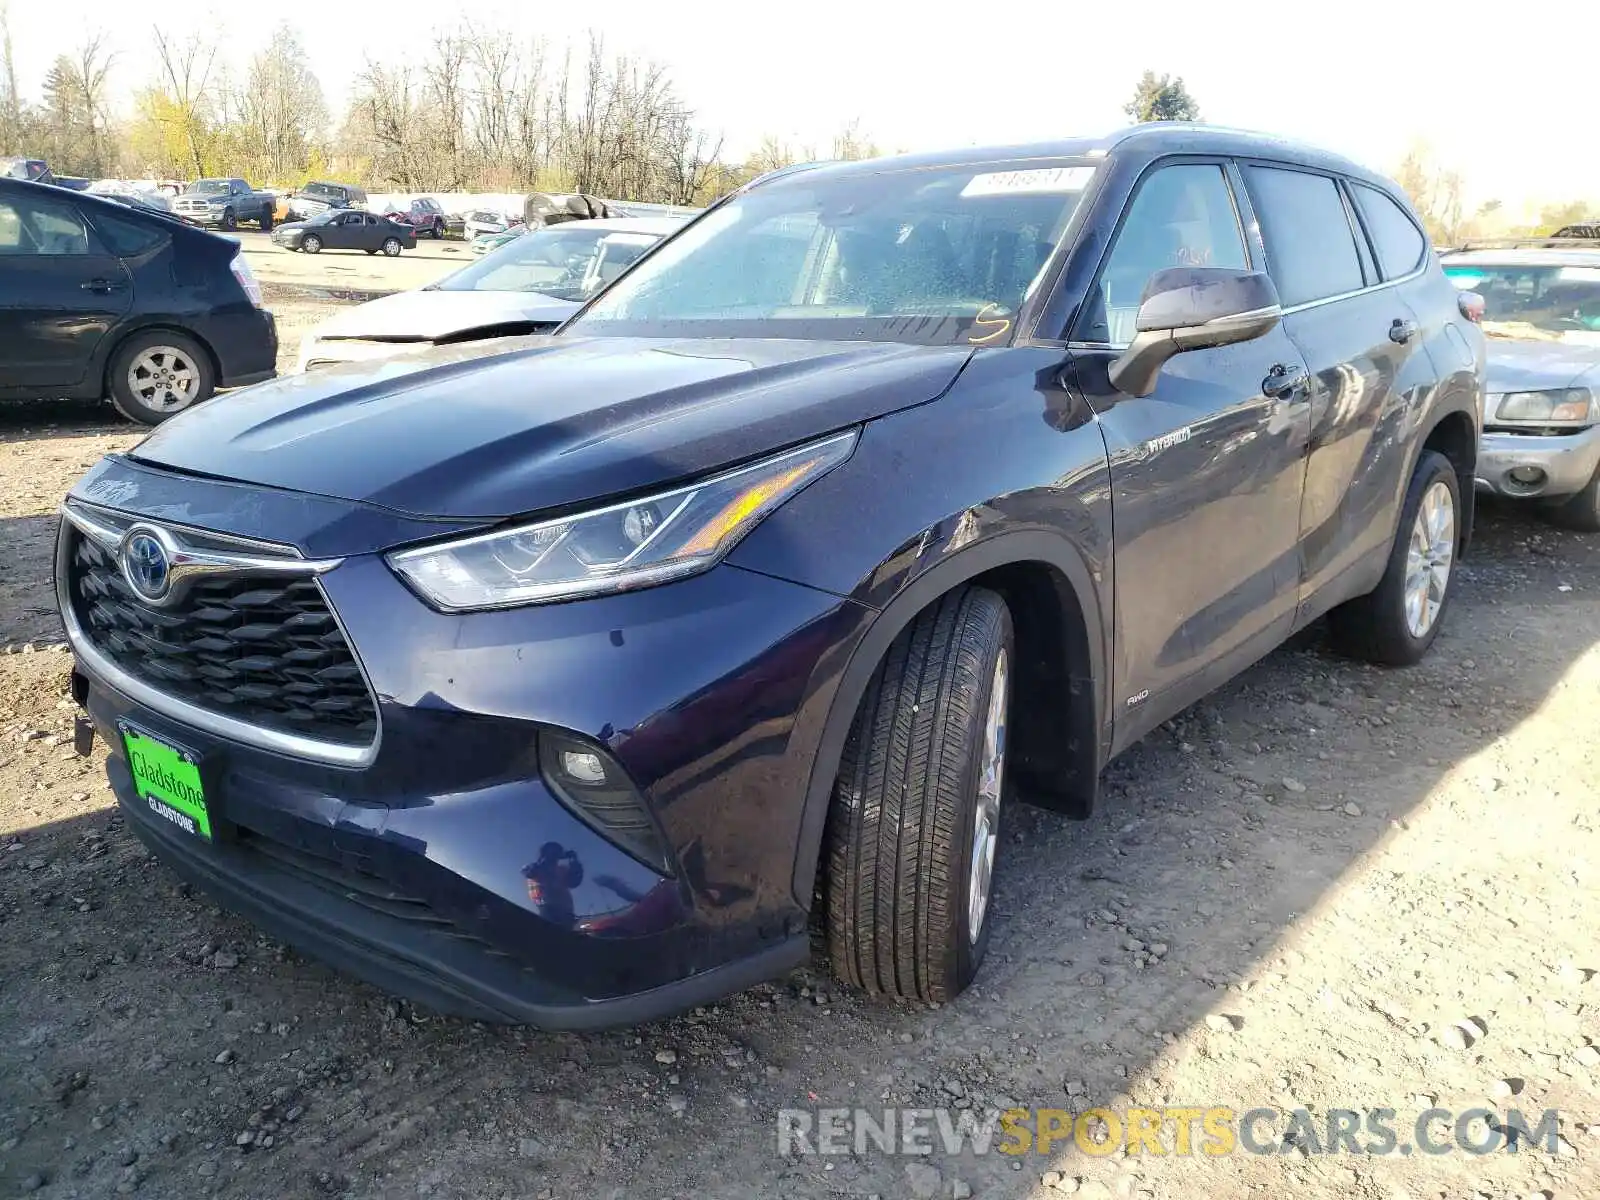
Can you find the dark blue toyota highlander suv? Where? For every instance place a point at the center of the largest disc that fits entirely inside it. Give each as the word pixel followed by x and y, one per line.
pixel 581 680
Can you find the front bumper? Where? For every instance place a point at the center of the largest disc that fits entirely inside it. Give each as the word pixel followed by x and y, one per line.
pixel 411 871
pixel 1564 463
pixel 316 352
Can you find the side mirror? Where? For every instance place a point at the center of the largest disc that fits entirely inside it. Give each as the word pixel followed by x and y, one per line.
pixel 1193 308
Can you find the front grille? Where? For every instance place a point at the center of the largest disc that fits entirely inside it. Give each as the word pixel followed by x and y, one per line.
pixel 264 650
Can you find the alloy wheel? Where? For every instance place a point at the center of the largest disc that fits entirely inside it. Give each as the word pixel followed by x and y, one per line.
pixel 986 821
pixel 1430 557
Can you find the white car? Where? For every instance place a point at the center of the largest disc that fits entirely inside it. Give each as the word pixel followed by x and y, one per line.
pixel 529 285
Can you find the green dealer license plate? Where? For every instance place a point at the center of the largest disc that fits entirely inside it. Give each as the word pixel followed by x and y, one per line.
pixel 167 779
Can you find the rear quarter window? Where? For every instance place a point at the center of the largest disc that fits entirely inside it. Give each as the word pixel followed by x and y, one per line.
pixel 1401 246
pixel 127 238
pixel 1311 249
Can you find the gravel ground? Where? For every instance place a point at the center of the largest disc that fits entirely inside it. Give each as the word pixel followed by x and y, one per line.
pixel 1328 886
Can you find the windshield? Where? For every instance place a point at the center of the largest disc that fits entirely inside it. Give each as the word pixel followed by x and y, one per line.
pixel 569 262
pixel 1547 303
pixel 202 187
pixel 322 218
pixel 929 256
pixel 323 191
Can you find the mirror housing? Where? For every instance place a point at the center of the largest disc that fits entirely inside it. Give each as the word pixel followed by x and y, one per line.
pixel 1193 308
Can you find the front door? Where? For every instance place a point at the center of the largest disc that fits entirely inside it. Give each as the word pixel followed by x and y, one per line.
pixel 60 293
pixel 1206 472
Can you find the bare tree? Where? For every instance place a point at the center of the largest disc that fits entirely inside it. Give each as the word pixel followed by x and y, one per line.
pixel 92 65
pixel 185 77
pixel 10 97
pixel 281 110
pixel 1434 191
pixel 384 119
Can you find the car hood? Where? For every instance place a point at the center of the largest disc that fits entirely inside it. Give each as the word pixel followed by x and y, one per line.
pixel 556 421
pixel 1517 365
pixel 429 314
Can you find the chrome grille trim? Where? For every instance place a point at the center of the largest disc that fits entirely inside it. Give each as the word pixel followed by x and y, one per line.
pixel 252 558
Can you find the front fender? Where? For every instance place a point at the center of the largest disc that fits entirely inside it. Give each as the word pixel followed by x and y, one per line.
pixel 1006 468
pixel 827 725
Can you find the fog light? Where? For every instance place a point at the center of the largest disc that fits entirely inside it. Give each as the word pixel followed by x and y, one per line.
pixel 595 788
pixel 1527 476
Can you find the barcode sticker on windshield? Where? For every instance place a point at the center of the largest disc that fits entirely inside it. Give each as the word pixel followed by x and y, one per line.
pixel 1042 179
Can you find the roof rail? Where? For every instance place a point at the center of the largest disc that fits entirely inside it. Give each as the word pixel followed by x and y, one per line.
pixel 1554 241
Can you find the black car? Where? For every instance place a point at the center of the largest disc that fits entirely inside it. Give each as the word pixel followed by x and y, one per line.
pixel 555 682
pixel 99 298
pixel 346 229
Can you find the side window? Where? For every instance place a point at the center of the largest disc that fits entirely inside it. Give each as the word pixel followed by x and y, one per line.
pixel 1311 249
pixel 33 225
pixel 125 238
pixel 1400 244
pixel 1181 216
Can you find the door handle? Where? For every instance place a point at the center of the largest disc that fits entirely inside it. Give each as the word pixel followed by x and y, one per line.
pixel 1284 381
pixel 1402 331
pixel 102 285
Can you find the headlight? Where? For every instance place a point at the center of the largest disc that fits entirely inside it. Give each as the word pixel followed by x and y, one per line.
pixel 635 544
pixel 1561 405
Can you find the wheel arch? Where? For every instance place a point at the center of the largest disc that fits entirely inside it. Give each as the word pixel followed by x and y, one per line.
pixel 1060 652
pixel 1454 434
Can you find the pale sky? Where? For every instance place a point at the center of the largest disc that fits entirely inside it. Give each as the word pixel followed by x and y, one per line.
pixel 1509 107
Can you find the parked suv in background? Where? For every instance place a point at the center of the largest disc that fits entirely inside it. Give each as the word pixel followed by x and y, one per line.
pixel 101 299
pixel 1541 438
pixel 553 684
pixel 317 198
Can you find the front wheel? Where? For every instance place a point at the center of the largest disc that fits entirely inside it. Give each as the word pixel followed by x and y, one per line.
pixel 391 246
pixel 311 244
pixel 915 820
pixel 230 220
pixel 1396 622
pixel 1580 512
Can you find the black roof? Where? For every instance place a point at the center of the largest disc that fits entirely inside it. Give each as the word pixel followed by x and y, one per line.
pixel 1149 140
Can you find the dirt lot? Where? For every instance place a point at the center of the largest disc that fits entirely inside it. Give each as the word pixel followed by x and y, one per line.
pixel 1328 886
pixel 353 269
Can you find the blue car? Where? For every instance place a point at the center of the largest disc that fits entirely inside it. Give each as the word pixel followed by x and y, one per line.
pixel 584 678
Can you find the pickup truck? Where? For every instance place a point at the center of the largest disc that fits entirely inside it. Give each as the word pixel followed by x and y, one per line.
pixel 224 203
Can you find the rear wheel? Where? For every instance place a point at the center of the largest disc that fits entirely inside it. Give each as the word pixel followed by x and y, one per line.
pixel 916 811
pixel 311 244
pixel 391 246
pixel 156 375
pixel 1580 512
pixel 1396 622
pixel 266 221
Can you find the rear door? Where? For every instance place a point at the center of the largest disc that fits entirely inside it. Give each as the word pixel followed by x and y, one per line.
pixel 1206 471
pixel 1358 334
pixel 61 292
